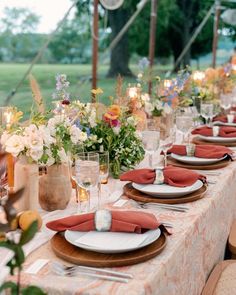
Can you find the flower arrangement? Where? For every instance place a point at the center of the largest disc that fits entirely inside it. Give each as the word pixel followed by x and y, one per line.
pixel 116 133
pixel 47 144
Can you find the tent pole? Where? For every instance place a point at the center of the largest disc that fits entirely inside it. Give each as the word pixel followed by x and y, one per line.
pixel 152 39
pixel 215 36
pixel 95 48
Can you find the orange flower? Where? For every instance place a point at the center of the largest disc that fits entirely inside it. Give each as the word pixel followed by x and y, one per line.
pixel 211 74
pixel 113 112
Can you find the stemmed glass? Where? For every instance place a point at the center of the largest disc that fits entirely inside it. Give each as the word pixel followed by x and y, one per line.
pixel 167 143
pixel 151 140
pixel 207 112
pixel 87 174
pixel 225 102
pixel 184 123
pixel 103 172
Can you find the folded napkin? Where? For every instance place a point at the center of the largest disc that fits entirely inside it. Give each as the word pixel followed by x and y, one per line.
pixel 203 151
pixel 224 119
pixel 224 131
pixel 174 176
pixel 122 221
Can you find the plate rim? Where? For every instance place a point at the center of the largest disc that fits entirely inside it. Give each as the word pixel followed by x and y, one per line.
pixel 215 160
pixel 168 195
pixel 212 138
pixel 107 251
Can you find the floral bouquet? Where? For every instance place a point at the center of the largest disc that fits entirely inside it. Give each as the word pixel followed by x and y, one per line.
pixel 116 133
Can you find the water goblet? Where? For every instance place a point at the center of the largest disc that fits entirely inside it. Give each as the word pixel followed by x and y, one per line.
pixel 207 111
pixel 184 124
pixel 87 176
pixel 103 172
pixel 167 143
pixel 150 141
pixel 225 102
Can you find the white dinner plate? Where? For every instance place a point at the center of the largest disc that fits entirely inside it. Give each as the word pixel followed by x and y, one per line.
pixel 219 123
pixel 196 160
pixel 217 138
pixel 112 242
pixel 167 191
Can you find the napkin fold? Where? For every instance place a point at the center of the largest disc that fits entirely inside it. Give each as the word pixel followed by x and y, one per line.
pixel 122 221
pixel 203 151
pixel 223 118
pixel 224 131
pixel 174 176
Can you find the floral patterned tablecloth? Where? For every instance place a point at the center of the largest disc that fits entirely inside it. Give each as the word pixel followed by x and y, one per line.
pixel 196 246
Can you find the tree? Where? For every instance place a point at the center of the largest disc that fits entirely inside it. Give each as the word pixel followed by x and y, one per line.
pixel 19 20
pixel 16 34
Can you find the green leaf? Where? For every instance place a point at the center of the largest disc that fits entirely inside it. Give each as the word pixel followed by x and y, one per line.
pixel 28 234
pixel 9 285
pixel 32 290
pixel 19 256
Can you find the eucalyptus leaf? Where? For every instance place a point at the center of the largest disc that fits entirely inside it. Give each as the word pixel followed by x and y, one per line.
pixel 32 290
pixel 9 285
pixel 28 234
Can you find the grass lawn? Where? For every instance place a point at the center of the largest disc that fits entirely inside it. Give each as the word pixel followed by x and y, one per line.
pixel 11 74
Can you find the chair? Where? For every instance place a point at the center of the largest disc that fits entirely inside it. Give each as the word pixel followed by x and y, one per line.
pixel 222 280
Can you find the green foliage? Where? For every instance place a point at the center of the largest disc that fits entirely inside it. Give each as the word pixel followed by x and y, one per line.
pixel 18 259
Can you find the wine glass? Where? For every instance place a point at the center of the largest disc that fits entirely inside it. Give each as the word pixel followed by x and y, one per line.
pixel 184 124
pixel 87 175
pixel 207 111
pixel 225 102
pixel 151 140
pixel 167 143
pixel 103 172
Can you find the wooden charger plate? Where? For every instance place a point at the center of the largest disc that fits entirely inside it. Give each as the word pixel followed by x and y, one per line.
pixel 217 165
pixel 198 140
pixel 138 196
pixel 76 255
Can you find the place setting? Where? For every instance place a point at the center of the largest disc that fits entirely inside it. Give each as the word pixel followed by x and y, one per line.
pixel 221 135
pixel 107 238
pixel 203 157
pixel 168 185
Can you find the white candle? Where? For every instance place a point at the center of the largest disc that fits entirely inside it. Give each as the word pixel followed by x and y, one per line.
pixel 167 83
pixel 198 76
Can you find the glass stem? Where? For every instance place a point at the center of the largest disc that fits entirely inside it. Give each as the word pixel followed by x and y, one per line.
pixel 88 201
pixel 99 195
pixel 150 160
pixel 165 159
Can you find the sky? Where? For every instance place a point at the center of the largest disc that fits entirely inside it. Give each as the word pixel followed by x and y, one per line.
pixel 50 11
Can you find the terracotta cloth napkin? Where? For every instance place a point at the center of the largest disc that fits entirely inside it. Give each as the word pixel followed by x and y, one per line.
pixel 223 119
pixel 224 131
pixel 174 176
pixel 122 221
pixel 203 151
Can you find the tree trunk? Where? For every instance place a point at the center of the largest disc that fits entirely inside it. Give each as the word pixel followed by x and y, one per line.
pixel 186 38
pixel 119 62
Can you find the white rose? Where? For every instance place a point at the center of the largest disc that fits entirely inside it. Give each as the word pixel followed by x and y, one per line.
pixel 83 136
pixel 5 136
pixel 46 135
pixel 14 145
pixel 31 129
pixel 75 134
pixel 63 156
pixel 35 154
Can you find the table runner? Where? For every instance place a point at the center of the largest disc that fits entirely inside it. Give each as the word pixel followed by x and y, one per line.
pixel 197 244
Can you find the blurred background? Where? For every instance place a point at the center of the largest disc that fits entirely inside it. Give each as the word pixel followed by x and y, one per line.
pixel 28 25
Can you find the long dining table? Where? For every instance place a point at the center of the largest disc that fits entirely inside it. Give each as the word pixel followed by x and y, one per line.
pixel 197 244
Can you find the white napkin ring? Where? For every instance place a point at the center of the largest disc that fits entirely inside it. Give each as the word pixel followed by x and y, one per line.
pixel 102 220
pixel 230 118
pixel 215 130
pixel 159 177
pixel 190 149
